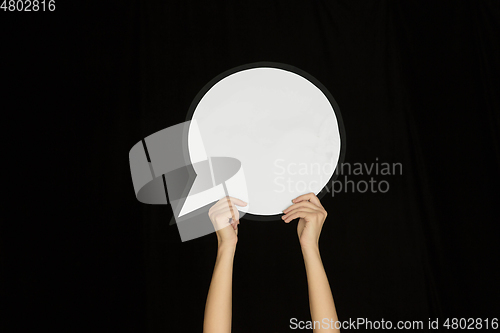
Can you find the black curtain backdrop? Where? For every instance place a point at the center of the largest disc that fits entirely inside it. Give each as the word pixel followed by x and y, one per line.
pixel 417 83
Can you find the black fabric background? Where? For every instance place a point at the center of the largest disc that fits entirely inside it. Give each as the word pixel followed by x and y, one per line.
pixel 417 83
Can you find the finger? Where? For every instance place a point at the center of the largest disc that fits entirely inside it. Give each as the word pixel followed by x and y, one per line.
pixel 304 209
pixel 227 211
pixel 301 204
pixel 237 202
pixel 297 214
pixel 235 225
pixel 231 208
pixel 221 204
pixel 225 201
pixel 223 211
pixel 310 197
pixel 221 218
pixel 216 206
pixel 235 214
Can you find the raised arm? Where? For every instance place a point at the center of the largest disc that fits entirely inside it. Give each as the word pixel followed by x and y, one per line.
pixel 218 309
pixel 312 215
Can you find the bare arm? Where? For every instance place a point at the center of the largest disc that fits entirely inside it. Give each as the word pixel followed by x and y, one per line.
pixel 218 309
pixel 219 300
pixel 320 295
pixel 312 216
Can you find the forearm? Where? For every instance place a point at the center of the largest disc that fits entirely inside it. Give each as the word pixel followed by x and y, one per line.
pixel 219 300
pixel 320 296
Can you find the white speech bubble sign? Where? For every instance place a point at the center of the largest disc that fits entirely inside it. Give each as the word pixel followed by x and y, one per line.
pixel 281 126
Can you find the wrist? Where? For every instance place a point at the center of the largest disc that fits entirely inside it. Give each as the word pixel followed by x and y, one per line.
pixel 224 247
pixel 311 249
pixel 309 244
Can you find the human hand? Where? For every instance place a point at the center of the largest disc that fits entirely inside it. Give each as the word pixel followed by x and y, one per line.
pixel 225 218
pixel 312 215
